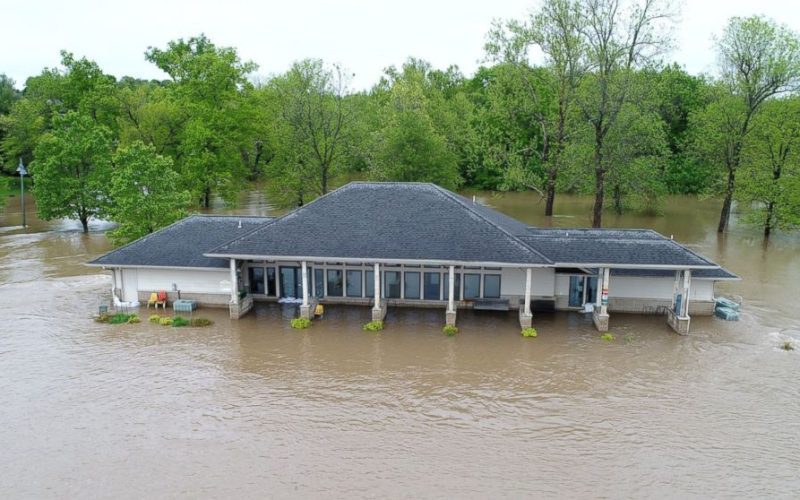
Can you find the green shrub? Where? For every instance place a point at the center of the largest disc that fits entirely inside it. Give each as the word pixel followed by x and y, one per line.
pixel 178 321
pixel 165 321
pixel 133 319
pixel 529 332
pixel 788 346
pixel 155 318
pixel 608 337
pixel 120 318
pixel 300 323
pixel 450 330
pixel 102 318
pixel 200 322
pixel 373 326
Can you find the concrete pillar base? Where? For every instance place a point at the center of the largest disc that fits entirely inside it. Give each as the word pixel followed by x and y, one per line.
pixel 525 320
pixel 307 312
pixel 600 320
pixel 678 323
pixel 450 318
pixel 379 312
pixel 239 309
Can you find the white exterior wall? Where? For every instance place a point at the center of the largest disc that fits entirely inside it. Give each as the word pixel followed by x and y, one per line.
pixel 137 284
pixel 512 282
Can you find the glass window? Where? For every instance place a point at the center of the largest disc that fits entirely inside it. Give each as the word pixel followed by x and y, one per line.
pixel 335 283
pixel 591 289
pixel 354 283
pixel 319 283
pixel 411 284
pixel 369 283
pixel 433 286
pixel 457 287
pixel 256 278
pixel 491 286
pixel 575 291
pixel 472 286
pixel 391 281
pixel 271 288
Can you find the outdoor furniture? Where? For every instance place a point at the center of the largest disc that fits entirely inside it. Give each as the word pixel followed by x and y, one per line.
pixel 158 298
pixel 184 306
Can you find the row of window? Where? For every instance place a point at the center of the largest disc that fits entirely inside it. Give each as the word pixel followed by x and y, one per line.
pixel 413 285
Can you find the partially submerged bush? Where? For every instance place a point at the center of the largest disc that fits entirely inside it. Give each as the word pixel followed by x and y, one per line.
pixel 608 337
pixel 200 322
pixel 373 326
pixel 166 321
pixel 178 321
pixel 102 318
pixel 155 318
pixel 120 318
pixel 300 323
pixel 788 346
pixel 529 332
pixel 134 319
pixel 450 330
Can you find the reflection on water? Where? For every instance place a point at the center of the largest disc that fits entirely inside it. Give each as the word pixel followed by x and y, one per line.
pixel 254 408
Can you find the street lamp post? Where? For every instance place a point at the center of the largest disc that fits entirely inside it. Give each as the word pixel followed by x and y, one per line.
pixel 22 171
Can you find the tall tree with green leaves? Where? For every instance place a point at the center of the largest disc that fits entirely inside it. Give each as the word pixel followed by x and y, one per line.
pixel 72 168
pixel 758 59
pixel 555 30
pixel 314 119
pixel 8 96
pixel 770 171
pixel 146 192
pixel 620 36
pixel 206 85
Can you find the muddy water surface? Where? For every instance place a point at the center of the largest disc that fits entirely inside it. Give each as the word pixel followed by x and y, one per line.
pixel 255 409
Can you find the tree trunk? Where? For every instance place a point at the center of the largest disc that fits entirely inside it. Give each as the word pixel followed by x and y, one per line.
pixel 617 199
pixel 725 215
pixel 85 223
pixel 207 197
pixel 324 180
pixel 768 221
pixel 600 181
pixel 551 192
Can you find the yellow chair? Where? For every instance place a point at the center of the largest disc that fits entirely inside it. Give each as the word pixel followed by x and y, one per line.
pixel 152 300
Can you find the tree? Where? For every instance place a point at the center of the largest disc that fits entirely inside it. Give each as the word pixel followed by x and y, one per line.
pixel 8 96
pixel 146 192
pixel 619 37
pixel 314 119
pixel 72 168
pixel 770 180
pixel 79 85
pixel 206 86
pixel 758 59
pixel 556 31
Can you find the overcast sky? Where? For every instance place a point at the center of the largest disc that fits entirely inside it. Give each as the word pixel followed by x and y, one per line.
pixel 364 36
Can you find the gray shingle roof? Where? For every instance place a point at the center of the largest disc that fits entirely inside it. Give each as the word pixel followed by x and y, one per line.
pixel 403 221
pixel 637 247
pixel 183 243
pixel 719 273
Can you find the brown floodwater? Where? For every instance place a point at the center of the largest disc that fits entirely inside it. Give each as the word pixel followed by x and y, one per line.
pixel 252 408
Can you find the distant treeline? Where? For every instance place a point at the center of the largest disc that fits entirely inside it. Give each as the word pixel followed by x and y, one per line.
pixel 594 111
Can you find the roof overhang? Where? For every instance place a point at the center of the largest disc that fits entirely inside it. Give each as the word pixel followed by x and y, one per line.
pixel 130 266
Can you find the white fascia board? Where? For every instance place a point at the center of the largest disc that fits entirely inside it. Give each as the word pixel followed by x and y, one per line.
pixel 298 258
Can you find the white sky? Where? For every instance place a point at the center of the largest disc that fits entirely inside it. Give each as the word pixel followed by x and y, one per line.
pixel 364 36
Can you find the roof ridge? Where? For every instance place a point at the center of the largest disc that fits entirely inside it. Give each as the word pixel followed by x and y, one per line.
pixel 233 216
pixel 454 198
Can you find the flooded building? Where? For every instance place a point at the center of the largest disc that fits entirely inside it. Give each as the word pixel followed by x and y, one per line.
pixel 392 244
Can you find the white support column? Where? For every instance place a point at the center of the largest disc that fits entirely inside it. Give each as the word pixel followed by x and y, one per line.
pixel 451 290
pixel 377 286
pixel 687 285
pixel 528 291
pixel 304 270
pixel 600 313
pixel 234 283
pixel 604 296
